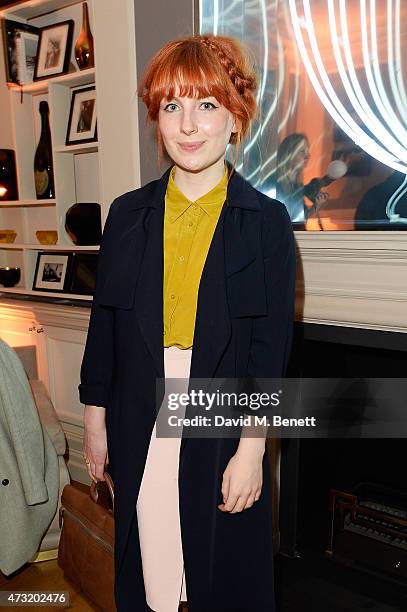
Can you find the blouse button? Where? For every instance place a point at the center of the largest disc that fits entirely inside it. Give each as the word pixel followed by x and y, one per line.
pixel 182 258
pixel 5 481
pixel 172 296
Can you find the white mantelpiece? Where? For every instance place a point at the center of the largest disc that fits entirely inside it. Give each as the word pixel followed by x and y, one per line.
pixel 353 279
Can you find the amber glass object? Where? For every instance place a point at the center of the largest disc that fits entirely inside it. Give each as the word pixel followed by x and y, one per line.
pixel 84 52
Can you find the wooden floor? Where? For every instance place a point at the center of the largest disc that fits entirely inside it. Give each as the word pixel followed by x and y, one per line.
pixel 44 576
pixel 47 576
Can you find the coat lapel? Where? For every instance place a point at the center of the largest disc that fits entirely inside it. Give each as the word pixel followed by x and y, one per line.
pixel 149 293
pixel 133 275
pixel 232 280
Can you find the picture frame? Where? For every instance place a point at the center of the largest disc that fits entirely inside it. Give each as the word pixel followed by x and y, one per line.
pixel 11 33
pixel 54 50
pixel 83 273
pixel 26 53
pixel 82 122
pixel 52 271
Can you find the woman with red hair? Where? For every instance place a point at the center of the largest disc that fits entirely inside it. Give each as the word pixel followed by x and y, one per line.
pixel 195 281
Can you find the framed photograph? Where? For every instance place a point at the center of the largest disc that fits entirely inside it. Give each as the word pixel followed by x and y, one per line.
pixel 54 50
pixel 20 41
pixel 83 273
pixel 52 272
pixel 82 125
pixel 26 51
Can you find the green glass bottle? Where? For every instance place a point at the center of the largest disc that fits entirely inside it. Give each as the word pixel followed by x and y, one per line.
pixel 43 166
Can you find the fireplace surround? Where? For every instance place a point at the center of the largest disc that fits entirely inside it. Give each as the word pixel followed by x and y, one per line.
pixel 311 469
pixel 351 321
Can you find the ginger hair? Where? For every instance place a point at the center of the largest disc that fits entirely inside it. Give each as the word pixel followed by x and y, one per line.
pixel 201 66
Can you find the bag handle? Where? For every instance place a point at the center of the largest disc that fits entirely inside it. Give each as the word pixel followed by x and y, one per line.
pixel 94 491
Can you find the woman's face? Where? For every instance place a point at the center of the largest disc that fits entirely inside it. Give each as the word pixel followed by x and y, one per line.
pixel 195 131
pixel 301 156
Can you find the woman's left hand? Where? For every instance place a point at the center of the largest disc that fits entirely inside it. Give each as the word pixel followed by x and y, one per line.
pixel 242 480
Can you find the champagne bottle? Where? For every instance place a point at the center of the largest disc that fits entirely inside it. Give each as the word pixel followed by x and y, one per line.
pixel 43 169
pixel 84 53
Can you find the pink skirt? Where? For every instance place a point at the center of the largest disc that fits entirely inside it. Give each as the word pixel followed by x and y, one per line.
pixel 158 507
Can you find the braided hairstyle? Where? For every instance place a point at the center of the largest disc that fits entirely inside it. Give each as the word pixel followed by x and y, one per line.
pixel 242 78
pixel 201 66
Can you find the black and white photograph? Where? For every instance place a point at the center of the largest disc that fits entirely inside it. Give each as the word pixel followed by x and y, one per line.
pixel 52 271
pixel 54 50
pixel 82 123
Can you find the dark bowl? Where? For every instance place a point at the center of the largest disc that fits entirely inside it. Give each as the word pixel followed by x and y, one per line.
pixel 9 276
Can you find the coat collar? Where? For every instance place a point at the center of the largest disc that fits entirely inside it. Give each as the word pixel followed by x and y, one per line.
pixel 240 193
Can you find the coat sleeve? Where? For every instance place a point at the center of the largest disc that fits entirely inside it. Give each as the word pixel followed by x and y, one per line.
pixel 98 358
pixel 272 334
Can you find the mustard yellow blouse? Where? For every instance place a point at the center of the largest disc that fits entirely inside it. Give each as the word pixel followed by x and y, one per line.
pixel 188 231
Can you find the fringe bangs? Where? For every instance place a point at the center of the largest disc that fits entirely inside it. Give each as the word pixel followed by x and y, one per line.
pixel 187 72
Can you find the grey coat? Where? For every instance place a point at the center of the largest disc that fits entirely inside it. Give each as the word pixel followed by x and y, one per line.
pixel 29 473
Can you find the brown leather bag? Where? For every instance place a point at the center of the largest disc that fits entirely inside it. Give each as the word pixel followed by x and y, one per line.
pixel 86 547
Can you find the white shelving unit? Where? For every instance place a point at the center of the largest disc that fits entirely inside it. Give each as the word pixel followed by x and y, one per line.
pixel 88 172
pixel 91 172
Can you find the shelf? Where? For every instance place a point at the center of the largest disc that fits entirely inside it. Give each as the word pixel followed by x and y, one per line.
pixel 64 296
pixel 35 87
pixel 86 147
pixel 24 203
pixel 71 79
pixel 35 8
pixel 46 247
pixel 75 79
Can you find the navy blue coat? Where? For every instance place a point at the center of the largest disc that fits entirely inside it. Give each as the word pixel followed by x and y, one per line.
pixel 243 329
